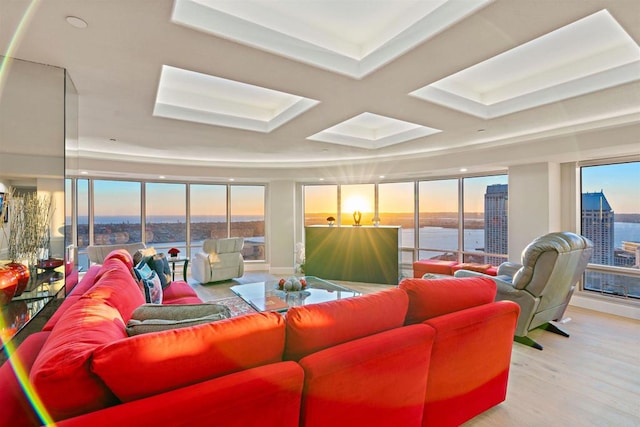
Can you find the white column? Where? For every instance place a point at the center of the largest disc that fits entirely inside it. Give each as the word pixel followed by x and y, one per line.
pixel 534 204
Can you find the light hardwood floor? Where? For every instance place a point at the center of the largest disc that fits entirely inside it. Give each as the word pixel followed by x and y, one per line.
pixel 589 379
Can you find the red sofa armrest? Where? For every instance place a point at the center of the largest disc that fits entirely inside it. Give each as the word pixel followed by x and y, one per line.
pixel 16 407
pixel 469 362
pixel 268 395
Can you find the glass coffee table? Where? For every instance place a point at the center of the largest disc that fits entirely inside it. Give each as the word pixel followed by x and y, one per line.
pixel 265 296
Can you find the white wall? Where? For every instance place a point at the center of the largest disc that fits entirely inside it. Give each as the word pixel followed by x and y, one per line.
pixel 534 204
pixel 32 130
pixel 281 205
pixel 32 119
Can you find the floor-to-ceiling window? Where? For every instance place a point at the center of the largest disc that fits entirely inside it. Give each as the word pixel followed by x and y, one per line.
pixel 357 204
pixel 439 219
pixel 246 207
pixel 116 212
pixel 320 203
pixel 208 209
pixel 396 205
pixel 166 216
pixel 610 218
pixel 485 219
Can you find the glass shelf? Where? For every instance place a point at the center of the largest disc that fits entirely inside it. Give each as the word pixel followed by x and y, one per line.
pixel 48 284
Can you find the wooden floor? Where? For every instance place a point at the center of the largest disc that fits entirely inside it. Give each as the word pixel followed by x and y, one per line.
pixel 589 379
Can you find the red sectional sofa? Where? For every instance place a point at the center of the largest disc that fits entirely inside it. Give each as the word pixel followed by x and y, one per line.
pixel 428 353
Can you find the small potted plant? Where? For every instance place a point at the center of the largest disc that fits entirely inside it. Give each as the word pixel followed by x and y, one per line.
pixel 174 252
pixel 331 220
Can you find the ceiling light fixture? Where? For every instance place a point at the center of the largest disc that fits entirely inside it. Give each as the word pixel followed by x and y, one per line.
pixel 76 22
pixel 463 169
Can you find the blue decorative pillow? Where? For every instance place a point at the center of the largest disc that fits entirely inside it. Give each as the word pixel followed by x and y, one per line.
pixel 151 282
pixel 160 265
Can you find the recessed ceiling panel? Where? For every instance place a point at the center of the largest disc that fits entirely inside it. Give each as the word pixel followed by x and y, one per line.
pixel 347 36
pixel 372 131
pixel 588 55
pixel 201 98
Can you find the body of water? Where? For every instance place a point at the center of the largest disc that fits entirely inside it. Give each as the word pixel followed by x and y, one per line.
pixel 430 237
pixel 447 238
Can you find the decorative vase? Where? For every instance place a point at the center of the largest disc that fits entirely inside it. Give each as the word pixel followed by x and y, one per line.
pixel 357 216
pixel 21 272
pixel 8 285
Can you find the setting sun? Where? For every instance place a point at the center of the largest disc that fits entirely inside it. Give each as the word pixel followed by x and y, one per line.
pixel 357 203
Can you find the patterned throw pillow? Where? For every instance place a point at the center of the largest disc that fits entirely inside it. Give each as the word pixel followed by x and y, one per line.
pixel 141 254
pixel 151 282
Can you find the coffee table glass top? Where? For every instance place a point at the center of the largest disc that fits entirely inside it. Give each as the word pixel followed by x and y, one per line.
pixel 265 296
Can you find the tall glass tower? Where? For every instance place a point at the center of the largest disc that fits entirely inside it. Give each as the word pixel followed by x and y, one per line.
pixel 496 220
pixel 597 226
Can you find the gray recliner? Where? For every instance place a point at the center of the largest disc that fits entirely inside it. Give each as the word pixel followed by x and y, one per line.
pixel 543 284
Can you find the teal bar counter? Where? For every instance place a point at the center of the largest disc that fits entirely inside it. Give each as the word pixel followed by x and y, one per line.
pixel 355 254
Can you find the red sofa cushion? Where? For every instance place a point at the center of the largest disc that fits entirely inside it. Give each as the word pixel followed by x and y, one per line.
pixel 16 407
pixel 61 372
pixel 377 380
pixel 86 283
pixel 267 396
pixel 315 327
pixel 148 364
pixel 433 297
pixel 116 286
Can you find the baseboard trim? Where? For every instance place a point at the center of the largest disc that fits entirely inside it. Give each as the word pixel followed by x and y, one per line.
pixel 281 271
pixel 597 303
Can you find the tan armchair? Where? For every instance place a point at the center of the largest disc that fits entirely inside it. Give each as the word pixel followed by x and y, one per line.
pixel 542 285
pixel 220 259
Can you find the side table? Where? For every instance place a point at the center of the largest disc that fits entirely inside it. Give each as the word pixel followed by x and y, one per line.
pixel 176 260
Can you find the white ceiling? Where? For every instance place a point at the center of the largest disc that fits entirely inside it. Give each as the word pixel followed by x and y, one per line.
pixel 308 89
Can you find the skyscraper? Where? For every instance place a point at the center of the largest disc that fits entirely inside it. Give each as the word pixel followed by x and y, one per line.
pixel 597 226
pixel 496 220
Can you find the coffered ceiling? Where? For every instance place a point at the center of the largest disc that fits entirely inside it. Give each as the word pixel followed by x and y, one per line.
pixel 344 90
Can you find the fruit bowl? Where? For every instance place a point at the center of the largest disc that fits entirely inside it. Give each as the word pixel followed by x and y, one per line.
pixel 292 284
